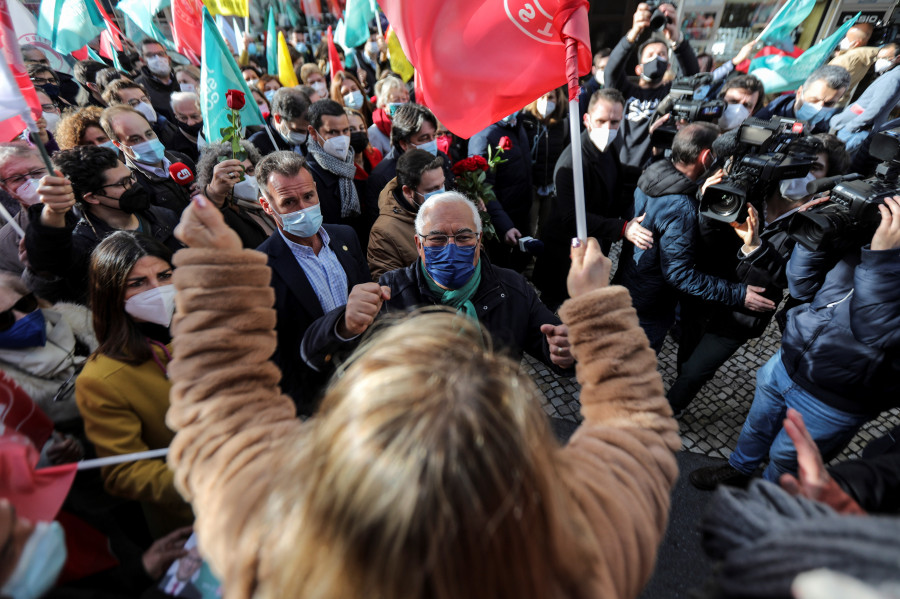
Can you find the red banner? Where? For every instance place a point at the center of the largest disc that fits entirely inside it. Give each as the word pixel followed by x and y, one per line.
pixel 481 60
pixel 10 128
pixel 187 28
pixel 334 59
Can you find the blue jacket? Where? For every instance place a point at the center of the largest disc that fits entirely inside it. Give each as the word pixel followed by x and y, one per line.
pixel 784 106
pixel 843 345
pixel 872 108
pixel 656 276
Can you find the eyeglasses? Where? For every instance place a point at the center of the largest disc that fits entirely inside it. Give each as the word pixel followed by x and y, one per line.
pixel 125 183
pixel 439 240
pixel 16 180
pixel 43 80
pixel 50 107
pixel 26 304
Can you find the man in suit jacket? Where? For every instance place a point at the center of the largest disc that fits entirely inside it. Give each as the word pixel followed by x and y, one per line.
pixel 315 269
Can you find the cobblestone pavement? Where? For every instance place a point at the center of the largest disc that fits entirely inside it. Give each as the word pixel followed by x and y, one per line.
pixel 712 422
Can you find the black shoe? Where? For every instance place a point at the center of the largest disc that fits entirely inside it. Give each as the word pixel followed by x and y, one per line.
pixel 707 479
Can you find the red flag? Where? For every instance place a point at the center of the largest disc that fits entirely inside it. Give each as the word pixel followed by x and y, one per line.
pixel 12 127
pixel 112 30
pixel 335 9
pixel 481 60
pixel 420 93
pixel 311 8
pixel 19 413
pixel 81 54
pixel 187 28
pixel 334 60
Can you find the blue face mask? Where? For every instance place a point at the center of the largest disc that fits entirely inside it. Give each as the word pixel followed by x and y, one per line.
pixel 110 145
pixel 812 116
pixel 430 147
pixel 29 331
pixel 269 94
pixel 149 152
pixel 251 49
pixel 431 193
pixel 450 266
pixel 393 106
pixel 302 223
pixel 41 561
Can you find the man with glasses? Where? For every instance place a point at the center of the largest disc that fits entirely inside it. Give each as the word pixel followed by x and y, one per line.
pixel 125 92
pixel 316 269
pixel 108 199
pixel 147 157
pixel 21 169
pixel 66 84
pixel 157 77
pixel 450 271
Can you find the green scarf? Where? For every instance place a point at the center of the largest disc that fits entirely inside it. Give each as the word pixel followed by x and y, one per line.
pixel 461 298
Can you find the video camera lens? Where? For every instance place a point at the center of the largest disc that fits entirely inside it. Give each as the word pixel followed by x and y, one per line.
pixel 659 20
pixel 726 206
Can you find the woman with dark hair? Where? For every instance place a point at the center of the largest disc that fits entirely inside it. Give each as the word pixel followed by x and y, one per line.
pixel 548 135
pixel 123 390
pixel 347 91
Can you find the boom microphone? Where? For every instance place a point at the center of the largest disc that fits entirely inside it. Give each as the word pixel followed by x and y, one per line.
pixel 182 175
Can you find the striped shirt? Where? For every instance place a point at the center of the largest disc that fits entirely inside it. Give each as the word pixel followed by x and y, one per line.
pixel 324 272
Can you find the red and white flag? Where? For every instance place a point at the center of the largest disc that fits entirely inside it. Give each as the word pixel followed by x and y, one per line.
pixel 17 95
pixel 187 28
pixel 481 60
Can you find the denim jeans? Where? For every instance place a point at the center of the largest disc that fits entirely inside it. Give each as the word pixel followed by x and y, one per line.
pixel 763 430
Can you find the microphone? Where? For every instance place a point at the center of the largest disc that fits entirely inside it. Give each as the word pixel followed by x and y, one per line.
pixel 182 175
pixel 532 246
pixel 820 185
pixel 726 145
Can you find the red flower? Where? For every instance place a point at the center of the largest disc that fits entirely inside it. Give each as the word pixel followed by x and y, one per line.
pixel 235 99
pixel 505 143
pixel 470 164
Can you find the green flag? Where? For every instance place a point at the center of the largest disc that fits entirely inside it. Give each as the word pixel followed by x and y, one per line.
pixel 218 74
pixel 785 21
pixel 142 13
pixel 783 73
pixel 271 45
pixel 69 24
pixel 357 15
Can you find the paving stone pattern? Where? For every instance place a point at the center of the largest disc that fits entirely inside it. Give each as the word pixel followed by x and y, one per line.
pixel 712 422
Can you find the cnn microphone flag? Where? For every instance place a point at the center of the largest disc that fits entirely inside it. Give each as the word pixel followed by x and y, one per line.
pixel 481 60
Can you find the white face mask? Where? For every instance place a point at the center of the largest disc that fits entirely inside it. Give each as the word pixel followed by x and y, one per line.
pixel 248 189
pixel 733 116
pixel 354 100
pixel 337 146
pixel 28 192
pixel 187 87
pixel 602 137
pixel 882 65
pixel 146 110
pixel 372 48
pixel 795 189
pixel 251 83
pixel 845 45
pixel 158 65
pixel 155 305
pixel 320 87
pixel 545 106
pixel 52 119
pixel 599 76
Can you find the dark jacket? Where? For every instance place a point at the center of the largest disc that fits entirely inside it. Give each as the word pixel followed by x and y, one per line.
pixel 656 276
pixel 633 141
pixel 873 481
pixel 843 345
pixel 328 188
pixel 386 170
pixel 547 142
pixel 507 306
pixel 297 306
pixel 261 141
pixel 160 93
pixel 174 140
pixel 784 106
pixel 511 179
pixel 66 252
pixel 164 191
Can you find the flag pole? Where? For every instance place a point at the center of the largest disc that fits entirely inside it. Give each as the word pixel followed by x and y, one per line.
pixel 12 221
pixel 121 459
pixel 36 140
pixel 575 134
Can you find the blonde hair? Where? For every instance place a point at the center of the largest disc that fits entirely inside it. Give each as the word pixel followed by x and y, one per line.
pixel 433 477
pixel 383 86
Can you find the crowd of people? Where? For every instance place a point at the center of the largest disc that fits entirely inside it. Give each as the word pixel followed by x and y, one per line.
pixel 326 332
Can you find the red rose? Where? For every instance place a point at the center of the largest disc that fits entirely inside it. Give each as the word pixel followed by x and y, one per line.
pixel 505 143
pixel 480 163
pixel 235 99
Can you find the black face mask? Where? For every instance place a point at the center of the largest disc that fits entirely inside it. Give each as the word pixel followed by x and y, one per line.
pixel 655 69
pixel 191 130
pixel 51 89
pixel 135 199
pixel 359 141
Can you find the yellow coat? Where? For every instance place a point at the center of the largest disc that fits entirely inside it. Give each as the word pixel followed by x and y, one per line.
pixel 124 411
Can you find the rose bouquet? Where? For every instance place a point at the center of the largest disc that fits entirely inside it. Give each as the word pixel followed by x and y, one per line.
pixel 471 180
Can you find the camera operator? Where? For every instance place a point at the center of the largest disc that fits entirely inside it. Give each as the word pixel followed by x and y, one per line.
pixel 642 99
pixel 838 362
pixel 814 102
pixel 744 96
pixel 757 255
pixel 666 202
